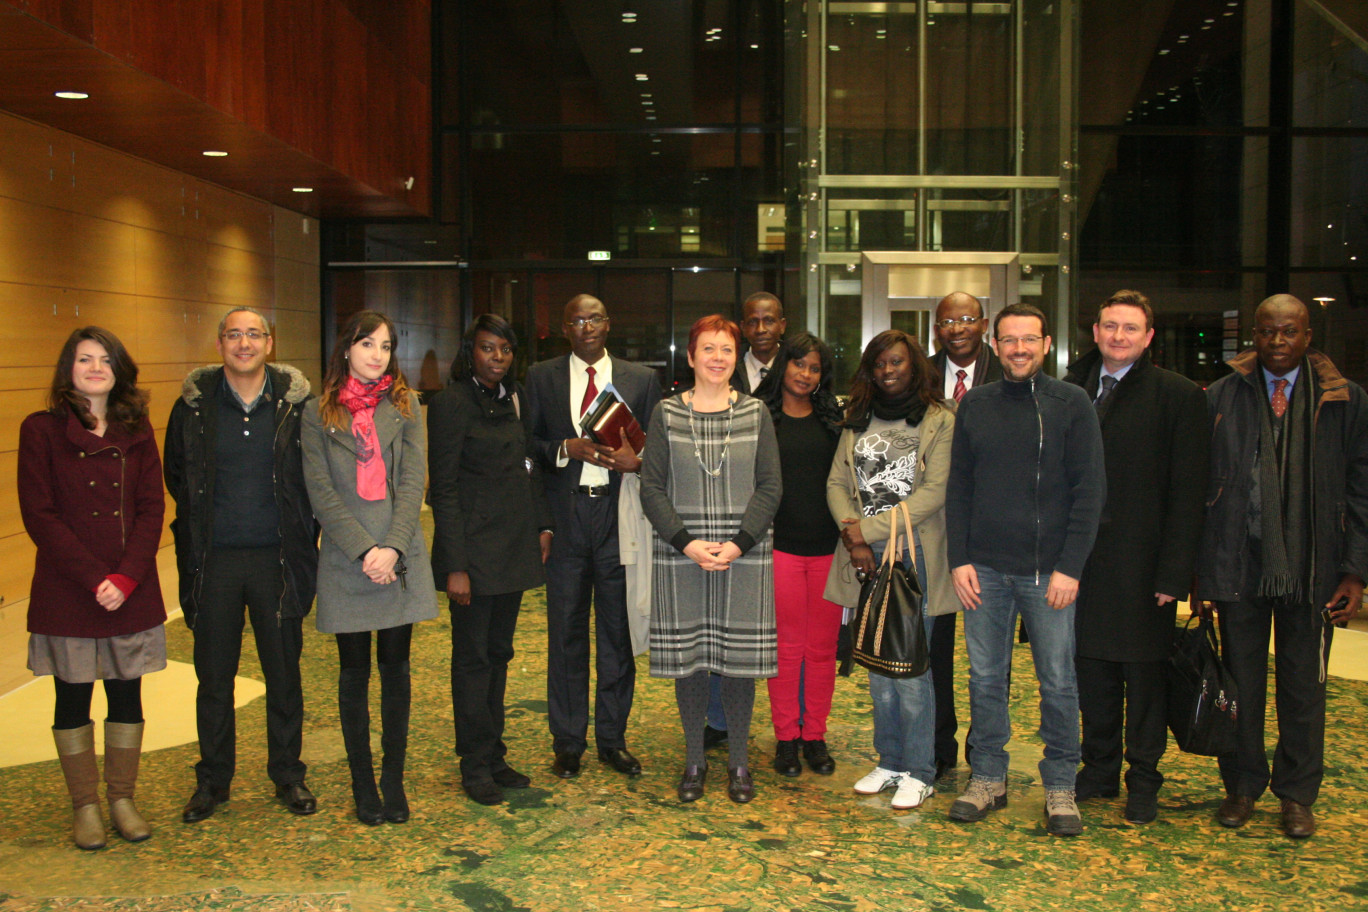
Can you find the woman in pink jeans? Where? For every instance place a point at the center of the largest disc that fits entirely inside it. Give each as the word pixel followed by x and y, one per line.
pixel 807 421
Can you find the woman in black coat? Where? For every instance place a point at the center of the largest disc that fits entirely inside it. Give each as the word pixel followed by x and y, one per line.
pixel 493 533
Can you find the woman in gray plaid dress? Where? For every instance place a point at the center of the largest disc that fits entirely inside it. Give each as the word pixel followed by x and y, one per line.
pixel 710 487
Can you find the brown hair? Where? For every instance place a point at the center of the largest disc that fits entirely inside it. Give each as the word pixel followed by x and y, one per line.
pixel 127 404
pixel 333 413
pixel 1129 298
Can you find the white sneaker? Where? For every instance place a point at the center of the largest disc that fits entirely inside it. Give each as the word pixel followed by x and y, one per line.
pixel 877 781
pixel 911 793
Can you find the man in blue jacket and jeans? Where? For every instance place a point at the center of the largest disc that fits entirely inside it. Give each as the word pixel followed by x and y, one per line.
pixel 1025 493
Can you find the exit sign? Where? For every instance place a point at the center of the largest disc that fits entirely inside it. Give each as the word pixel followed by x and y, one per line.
pixel 600 255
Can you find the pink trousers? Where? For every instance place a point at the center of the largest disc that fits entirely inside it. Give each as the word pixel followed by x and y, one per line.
pixel 808 626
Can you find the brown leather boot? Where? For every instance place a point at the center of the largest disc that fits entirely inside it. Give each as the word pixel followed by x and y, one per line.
pixel 123 748
pixel 76 751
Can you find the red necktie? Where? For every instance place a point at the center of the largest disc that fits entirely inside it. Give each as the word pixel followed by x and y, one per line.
pixel 591 392
pixel 959 384
pixel 1279 398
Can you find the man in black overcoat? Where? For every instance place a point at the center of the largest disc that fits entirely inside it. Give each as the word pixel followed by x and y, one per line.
pixel 1155 433
pixel 964 362
pixel 585 567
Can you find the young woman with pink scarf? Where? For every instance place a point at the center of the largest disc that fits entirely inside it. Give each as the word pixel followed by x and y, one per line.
pixel 365 460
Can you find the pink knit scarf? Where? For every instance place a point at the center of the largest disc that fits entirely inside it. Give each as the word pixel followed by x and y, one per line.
pixel 361 399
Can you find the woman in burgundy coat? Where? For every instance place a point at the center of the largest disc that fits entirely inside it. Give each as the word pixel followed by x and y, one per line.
pixel 90 492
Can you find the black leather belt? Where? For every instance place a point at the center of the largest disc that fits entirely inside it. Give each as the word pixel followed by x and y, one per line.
pixel 594 490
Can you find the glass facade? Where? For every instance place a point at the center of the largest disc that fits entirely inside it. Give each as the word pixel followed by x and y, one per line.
pixel 673 158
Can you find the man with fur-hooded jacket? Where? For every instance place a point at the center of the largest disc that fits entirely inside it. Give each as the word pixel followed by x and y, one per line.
pixel 245 536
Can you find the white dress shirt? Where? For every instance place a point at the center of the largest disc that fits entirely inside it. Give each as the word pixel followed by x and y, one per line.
pixel 753 367
pixel 951 378
pixel 592 475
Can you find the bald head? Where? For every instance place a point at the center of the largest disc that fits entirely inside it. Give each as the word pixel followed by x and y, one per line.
pixel 1282 333
pixel 959 327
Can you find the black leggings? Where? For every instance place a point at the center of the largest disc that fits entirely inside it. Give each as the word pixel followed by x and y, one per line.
pixel 391 647
pixel 73 702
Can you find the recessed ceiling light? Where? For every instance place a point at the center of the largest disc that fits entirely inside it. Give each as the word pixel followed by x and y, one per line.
pixel 303 189
pixel 755 47
pixel 72 96
pixel 833 47
pixel 629 17
pixel 213 153
pixel 634 50
pixel 642 77
pixel 650 117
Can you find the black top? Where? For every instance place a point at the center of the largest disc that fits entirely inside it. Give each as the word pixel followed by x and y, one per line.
pixel 803 525
pixel 1026 483
pixel 245 513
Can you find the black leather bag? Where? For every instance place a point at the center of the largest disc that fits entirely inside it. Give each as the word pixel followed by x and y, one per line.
pixel 889 638
pixel 1202 708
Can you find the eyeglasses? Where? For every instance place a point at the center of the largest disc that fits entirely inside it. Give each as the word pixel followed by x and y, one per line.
pixel 1028 341
pixel 952 322
pixel 585 322
pixel 1289 333
pixel 237 335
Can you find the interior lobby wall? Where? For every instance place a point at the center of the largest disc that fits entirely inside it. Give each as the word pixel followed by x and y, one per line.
pixel 93 236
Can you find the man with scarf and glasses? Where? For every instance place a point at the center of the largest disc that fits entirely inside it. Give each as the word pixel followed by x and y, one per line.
pixel 1285 546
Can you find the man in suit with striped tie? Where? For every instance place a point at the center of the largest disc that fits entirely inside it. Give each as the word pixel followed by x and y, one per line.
pixel 964 363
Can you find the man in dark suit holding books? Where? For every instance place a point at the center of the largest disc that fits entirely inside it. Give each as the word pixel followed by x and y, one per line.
pixel 582 481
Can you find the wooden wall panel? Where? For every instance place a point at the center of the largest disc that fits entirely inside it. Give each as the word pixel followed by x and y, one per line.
pixel 154 256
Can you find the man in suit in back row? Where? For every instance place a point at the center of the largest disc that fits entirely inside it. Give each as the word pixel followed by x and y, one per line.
pixel 763 325
pixel 585 567
pixel 964 363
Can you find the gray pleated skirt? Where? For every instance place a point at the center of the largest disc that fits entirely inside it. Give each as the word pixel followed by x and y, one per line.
pixel 81 660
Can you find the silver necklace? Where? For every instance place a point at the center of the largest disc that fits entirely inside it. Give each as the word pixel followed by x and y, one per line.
pixel 726 442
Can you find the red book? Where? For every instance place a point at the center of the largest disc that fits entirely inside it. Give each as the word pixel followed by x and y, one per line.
pixel 609 421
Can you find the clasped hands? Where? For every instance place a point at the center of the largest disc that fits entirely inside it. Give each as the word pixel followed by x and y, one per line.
pixel 109 596
pixel 622 459
pixel 378 565
pixel 712 555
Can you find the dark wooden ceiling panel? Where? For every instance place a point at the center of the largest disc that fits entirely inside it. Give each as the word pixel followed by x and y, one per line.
pixel 298 92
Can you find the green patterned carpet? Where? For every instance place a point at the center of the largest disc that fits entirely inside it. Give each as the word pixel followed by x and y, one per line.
pixel 605 842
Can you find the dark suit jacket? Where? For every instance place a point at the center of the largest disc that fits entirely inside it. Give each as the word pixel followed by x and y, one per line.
pixel 548 399
pixel 1155 434
pixel 986 369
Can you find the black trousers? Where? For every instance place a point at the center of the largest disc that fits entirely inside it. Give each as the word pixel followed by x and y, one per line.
pixel 585 569
pixel 1122 696
pixel 234 578
pixel 943 678
pixel 1299 758
pixel 481 648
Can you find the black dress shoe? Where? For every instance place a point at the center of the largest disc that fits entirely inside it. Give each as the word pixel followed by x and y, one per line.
pixel 1086 790
pixel 786 759
pixel 483 791
pixel 297 797
pixel 203 803
pixel 817 757
pixel 713 737
pixel 509 778
pixel 1141 807
pixel 621 760
pixel 691 783
pixel 1235 811
pixel 1297 820
pixel 566 765
pixel 740 787
pixel 944 768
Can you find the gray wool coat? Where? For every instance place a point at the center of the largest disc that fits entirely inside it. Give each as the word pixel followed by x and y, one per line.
pixel 348 601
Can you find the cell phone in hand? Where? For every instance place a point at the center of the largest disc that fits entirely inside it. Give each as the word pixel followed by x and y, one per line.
pixel 1328 614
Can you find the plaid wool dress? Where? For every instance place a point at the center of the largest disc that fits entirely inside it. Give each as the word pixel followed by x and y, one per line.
pixel 719 621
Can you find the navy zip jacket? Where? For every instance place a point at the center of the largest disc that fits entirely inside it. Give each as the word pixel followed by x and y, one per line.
pixel 1027 479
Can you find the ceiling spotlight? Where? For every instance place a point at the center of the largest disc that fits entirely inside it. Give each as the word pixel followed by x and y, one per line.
pixel 214 153
pixel 72 96
pixel 642 77
pixel 1324 301
pixel 755 47
pixel 629 17
pixel 634 50
pixel 302 189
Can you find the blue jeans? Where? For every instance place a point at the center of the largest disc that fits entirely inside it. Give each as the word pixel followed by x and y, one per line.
pixel 990 633
pixel 905 711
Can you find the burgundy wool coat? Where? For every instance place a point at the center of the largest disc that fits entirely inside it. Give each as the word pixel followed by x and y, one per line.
pixel 93 506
